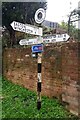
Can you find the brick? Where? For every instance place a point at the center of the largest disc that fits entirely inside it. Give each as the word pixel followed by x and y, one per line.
pixel 60 71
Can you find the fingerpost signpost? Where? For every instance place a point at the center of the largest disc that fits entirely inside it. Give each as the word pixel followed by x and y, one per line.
pixel 37 43
pixel 39 18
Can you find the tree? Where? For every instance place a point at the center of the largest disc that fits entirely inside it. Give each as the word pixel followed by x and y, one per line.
pixel 73 32
pixel 19 11
pixel 64 25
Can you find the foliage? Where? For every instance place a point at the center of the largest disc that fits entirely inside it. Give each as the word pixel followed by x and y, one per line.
pixel 19 102
pixel 19 11
pixel 64 25
pixel 74 32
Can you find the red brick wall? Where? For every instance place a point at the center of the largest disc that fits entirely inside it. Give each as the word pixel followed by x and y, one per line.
pixel 70 76
pixel 22 69
pixel 60 71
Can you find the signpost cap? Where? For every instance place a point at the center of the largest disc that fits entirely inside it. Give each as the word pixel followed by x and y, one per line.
pixel 40 15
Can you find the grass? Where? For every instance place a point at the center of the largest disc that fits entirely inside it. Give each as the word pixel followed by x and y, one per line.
pixel 0 96
pixel 19 102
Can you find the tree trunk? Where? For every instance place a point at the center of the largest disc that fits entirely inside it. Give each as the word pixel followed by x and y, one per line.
pixel 12 37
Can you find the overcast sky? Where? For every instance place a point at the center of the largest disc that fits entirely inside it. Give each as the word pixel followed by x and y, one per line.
pixel 59 9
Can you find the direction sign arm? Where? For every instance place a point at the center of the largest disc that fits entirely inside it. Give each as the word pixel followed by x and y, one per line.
pixel 30 29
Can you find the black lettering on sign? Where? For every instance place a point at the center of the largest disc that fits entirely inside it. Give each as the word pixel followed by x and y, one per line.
pixel 30 43
pixel 59 36
pixel 54 36
pixel 48 40
pixel 24 28
pixel 20 26
pixel 16 25
pixel 64 35
pixel 29 31
pixel 64 38
pixel 53 40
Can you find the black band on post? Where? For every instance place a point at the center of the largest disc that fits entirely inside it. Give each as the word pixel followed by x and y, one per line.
pixel 39 67
pixel 38 105
pixel 39 86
